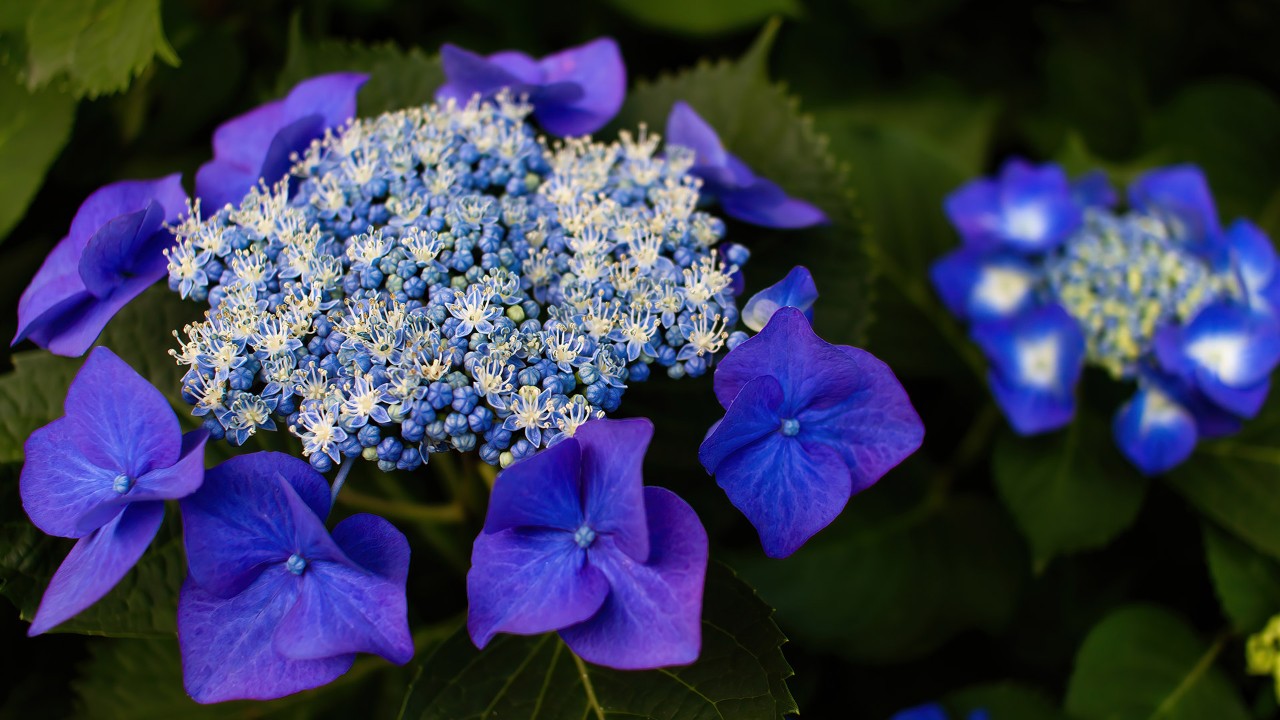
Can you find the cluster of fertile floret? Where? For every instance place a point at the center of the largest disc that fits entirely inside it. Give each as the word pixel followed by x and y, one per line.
pixel 440 278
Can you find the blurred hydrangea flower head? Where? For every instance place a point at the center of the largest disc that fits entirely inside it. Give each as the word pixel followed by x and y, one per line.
pixel 101 474
pixel 112 253
pixel 935 711
pixel 574 542
pixel 1052 278
pixel 273 603
pixel 439 278
pixel 573 92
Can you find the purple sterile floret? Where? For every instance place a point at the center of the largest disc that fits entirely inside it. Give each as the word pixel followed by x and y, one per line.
pixel 807 425
pixel 1027 209
pixel 258 145
pixel 742 194
pixel 1154 430
pixel 1036 361
pixel 796 290
pixel 1180 194
pixel 273 603
pixel 114 251
pixel 1227 352
pixel 101 473
pixel 574 542
pixel 573 92
pixel 985 285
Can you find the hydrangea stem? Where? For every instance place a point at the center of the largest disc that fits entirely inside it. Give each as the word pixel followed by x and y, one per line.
pixel 412 512
pixel 340 479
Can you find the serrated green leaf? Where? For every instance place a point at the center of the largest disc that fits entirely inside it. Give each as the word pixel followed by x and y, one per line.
pixel 903 170
pixel 141 334
pixel 759 122
pixel 99 45
pixel 1247 582
pixel 1142 662
pixel 707 17
pixel 1069 490
pixel 887 584
pixel 397 78
pixel 740 674
pixel 1004 701
pixel 33 129
pixel 1232 481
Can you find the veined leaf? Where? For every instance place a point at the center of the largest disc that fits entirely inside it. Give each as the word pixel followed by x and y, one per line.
pixel 100 45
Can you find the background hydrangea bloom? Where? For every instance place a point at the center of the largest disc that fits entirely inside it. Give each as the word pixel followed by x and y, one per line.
pixel 273 603
pixel 259 145
pixel 114 251
pixel 573 92
pixel 101 473
pixel 1158 295
pixel 807 425
pixel 574 542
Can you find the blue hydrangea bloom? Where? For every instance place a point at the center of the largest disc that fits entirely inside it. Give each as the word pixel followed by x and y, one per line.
pixel 260 144
pixel 114 251
pixel 796 290
pixel 742 194
pixel 273 603
pixel 807 425
pixel 573 92
pixel 934 711
pixel 441 279
pixel 574 542
pixel 101 474
pixel 1158 295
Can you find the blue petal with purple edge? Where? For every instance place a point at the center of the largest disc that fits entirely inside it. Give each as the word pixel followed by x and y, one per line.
pixel 1182 193
pixel 60 488
pixel 1230 346
pixel 981 286
pixel 1094 189
pixel 686 128
pixel 227 644
pixel 613 481
pixel 1255 260
pixel 766 204
pixel 542 490
pixel 796 290
pixel 788 488
pixel 974 211
pixel 71 298
pixel 752 416
pixel 573 92
pixel 1037 209
pixel 353 608
pixel 251 511
pixel 1154 431
pixel 874 429
pixel 528 581
pixel 96 564
pixel 1037 360
pixel 811 371
pixel 259 141
pixel 652 616
pixel 119 420
pixel 168 483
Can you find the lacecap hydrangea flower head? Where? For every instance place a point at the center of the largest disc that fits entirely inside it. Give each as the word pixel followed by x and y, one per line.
pixel 1052 277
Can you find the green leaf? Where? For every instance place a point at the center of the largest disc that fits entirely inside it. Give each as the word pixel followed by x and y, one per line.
pixel 33 129
pixel 1069 490
pixel 707 17
pixel 759 122
pixel 1247 582
pixel 905 164
pixel 141 334
pixel 100 45
pixel 741 673
pixel 887 584
pixel 1004 701
pixel 1142 662
pixel 1232 481
pixel 397 78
